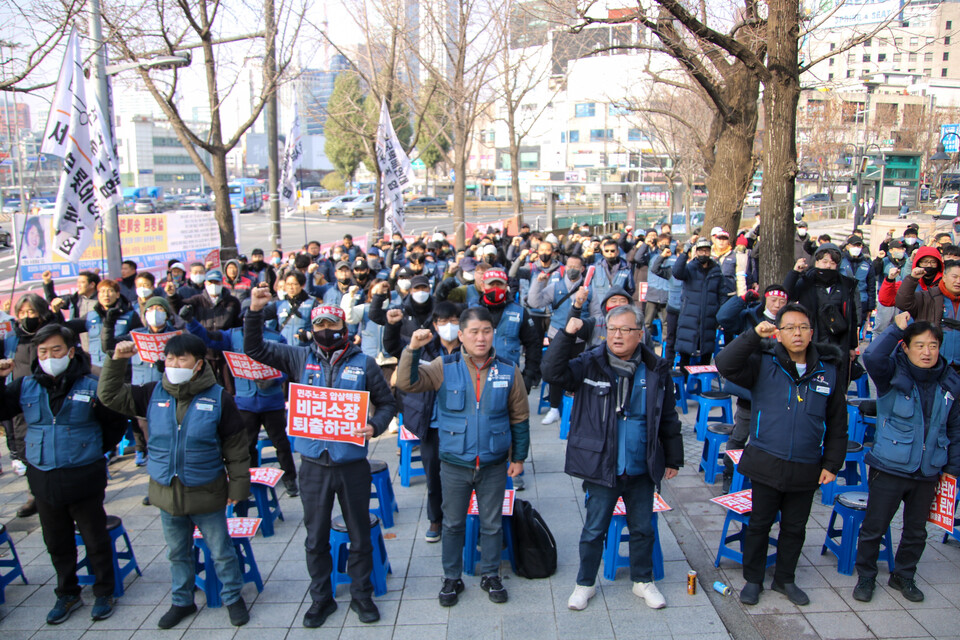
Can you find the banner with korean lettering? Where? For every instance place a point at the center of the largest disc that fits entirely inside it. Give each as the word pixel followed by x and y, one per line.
pixel 321 413
pixel 942 511
pixel 243 366
pixel 150 345
pixel 395 169
pixel 292 153
pixel 740 502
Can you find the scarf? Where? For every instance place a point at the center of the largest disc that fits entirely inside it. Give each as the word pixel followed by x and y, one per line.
pixel 949 296
pixel 625 370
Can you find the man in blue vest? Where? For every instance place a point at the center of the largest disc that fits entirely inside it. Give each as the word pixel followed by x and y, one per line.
pixel 858 266
pixel 483 422
pixel 330 469
pixel 624 440
pixel 67 434
pixel 918 438
pixel 198 464
pixel 798 442
pixel 514 333
pixel 611 271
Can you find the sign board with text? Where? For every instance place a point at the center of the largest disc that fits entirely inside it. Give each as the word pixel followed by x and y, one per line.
pixel 237 528
pixel 701 368
pixel 735 455
pixel 508 498
pixel 150 345
pixel 942 510
pixel 740 502
pixel 268 476
pixel 321 413
pixel 659 504
pixel 243 366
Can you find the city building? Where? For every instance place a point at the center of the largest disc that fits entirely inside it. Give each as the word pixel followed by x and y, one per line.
pixel 13 115
pixel 151 154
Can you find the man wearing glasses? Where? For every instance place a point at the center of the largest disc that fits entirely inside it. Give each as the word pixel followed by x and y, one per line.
pixel 624 439
pixel 798 439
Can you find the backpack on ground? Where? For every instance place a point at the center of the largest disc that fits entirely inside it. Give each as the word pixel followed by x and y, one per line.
pixel 533 545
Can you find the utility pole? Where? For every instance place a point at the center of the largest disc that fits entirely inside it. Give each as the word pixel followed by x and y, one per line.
pixel 273 160
pixel 13 139
pixel 111 230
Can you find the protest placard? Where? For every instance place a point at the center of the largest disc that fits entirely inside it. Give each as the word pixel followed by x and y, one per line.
pixel 150 345
pixel 701 368
pixel 735 455
pixel 321 413
pixel 507 510
pixel 268 476
pixel 740 502
pixel 237 528
pixel 407 435
pixel 243 366
pixel 942 510
pixel 659 504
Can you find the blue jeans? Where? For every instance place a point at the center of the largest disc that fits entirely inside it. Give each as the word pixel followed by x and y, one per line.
pixel 457 482
pixel 637 492
pixel 178 532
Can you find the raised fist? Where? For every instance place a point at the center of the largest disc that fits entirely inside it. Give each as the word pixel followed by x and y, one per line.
pixel 902 320
pixel 580 297
pixel 394 316
pixel 186 312
pixel 918 272
pixel 766 329
pixel 6 367
pixel 170 289
pixel 420 338
pixel 543 276
pixel 573 325
pixel 47 276
pixel 125 349
pixel 259 297
pixel 800 266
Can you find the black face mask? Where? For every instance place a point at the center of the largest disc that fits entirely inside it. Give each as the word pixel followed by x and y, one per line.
pixel 362 277
pixel 330 339
pixel 703 259
pixel 343 281
pixel 546 258
pixel 30 325
pixel 827 277
pixel 931 273
pixel 573 274
pixel 613 260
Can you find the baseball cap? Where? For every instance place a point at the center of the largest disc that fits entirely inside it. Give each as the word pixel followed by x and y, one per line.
pixel 494 274
pixel 213 275
pixel 468 264
pixel 895 244
pixel 360 263
pixel 327 312
pixel 257 252
pixel 177 265
pixel 826 247
pixel 419 281
pixel 703 243
pixel 716 231
pixel 855 240
pixel 489 250
pixel 404 274
pixel 343 264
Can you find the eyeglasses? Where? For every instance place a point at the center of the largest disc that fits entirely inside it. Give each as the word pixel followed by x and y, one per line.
pixel 622 331
pixel 795 328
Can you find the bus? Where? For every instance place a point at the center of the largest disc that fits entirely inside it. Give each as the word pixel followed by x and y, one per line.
pixel 246 195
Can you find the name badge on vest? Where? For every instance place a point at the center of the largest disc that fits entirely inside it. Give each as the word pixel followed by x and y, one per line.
pixel 204 406
pixel 513 317
pixel 164 404
pixel 312 367
pixel 351 373
pixel 81 397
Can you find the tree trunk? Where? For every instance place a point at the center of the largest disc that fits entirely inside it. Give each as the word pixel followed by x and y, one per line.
pixel 780 98
pixel 223 212
pixel 460 190
pixel 514 168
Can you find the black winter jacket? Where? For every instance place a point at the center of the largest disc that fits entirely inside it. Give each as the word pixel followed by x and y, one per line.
pixel 704 290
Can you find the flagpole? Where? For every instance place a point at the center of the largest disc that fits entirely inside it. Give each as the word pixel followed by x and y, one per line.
pixel 302 209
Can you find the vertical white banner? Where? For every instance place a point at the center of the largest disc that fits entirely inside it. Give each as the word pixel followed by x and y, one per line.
pixel 395 169
pixel 292 154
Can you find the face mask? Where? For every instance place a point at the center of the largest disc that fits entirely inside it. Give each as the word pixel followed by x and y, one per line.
pixel 855 252
pixel 344 281
pixel 826 276
pixel 911 241
pixel 931 273
pixel 613 260
pixel 30 325
pixel 362 277
pixel 448 331
pixel 374 264
pixel 178 375
pixel 703 259
pixel 55 366
pixel 495 297
pixel 573 274
pixel 156 318
pixel 337 257
pixel 546 258
pixel 802 233
pixel 896 254
pixel 196 278
pixel 275 261
pixel 420 296
pixel 468 276
pixel 403 285
pixel 329 339
pixel 214 290
pixel 282 294
pixel 144 292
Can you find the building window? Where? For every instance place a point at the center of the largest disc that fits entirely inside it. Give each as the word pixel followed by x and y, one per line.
pixel 851 58
pixel 884 42
pixel 928 56
pixel 881 57
pixel 529 159
pixel 866 57
pixel 585 110
pixel 928 72
pixel 898 42
pixel 949 26
pixel 912 57
pixel 946 40
pixel 946 56
pixel 834 46
pixel 617 110
pixel 829 77
pixel 635 135
pixel 914 41
pixel 563 137
pixel 599 135
pixel 849 73
pixel 897 57
pixel 573 135
pixel 867 42
pixel 832 60
pixel 943 73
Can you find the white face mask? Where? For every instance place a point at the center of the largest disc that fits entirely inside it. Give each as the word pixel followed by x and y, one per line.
pixel 802 232
pixel 403 285
pixel 910 240
pixel 420 296
pixel 178 375
pixel 448 332
pixel 281 294
pixel 197 278
pixel 144 292
pixel 896 254
pixel 156 317
pixel 214 289
pixel 55 366
pixel 855 251
pixel 468 276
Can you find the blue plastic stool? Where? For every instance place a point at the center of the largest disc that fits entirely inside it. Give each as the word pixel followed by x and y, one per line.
pixel 707 401
pixel 851 508
pixel 339 552
pixel 11 563
pixel 383 493
pixel 711 459
pixel 565 410
pixel 856 427
pixel 863 387
pixel 407 458
pixel 854 473
pixel 617 533
pixel 868 414
pixel 263 441
pixel 544 402
pixel 209 583
pixel 471 543
pixel 266 503
pixel 680 391
pixel 116 531
pixel 656 331
pixel 736 554
pixel 699 383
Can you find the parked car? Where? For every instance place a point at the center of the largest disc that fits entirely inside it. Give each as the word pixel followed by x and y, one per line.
pixel 426 202
pixel 6 239
pixel 814 198
pixel 144 205
pixel 335 206
pixel 196 205
pixel 752 199
pixel 361 205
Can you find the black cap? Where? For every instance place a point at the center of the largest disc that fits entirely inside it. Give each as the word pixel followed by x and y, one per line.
pixel 895 244
pixel 404 274
pixel 257 252
pixel 419 281
pixel 855 240
pixel 802 223
pixel 360 263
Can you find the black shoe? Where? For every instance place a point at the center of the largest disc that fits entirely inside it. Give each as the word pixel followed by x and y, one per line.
pixel 64 607
pixel 906 586
pixel 366 610
pixel 727 481
pixel 864 589
pixel 27 509
pixel 102 608
pixel 494 589
pixel 146 501
pixel 449 592
pixel 290 484
pixel 174 615
pixel 750 594
pixel 318 613
pixel 239 615
pixel 794 593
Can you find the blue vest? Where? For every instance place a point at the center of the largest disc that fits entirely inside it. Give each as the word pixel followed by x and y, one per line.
pixel 371 334
pixel 900 444
pixel 250 396
pixel 559 318
pixel 95 327
pixel 72 438
pixel 506 338
pixel 473 295
pixel 295 324
pixel 789 418
pixel 632 428
pixel 860 274
pixel 189 451
pixel 601 283
pixel 525 289
pixel 950 349
pixel 350 374
pixel 474 432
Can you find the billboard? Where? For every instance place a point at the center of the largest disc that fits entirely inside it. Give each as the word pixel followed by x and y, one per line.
pixel 950 137
pixel 852 13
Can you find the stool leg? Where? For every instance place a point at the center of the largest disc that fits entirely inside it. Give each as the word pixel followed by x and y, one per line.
pixel 506 524
pixel 611 549
pixel 657 551
pixel 379 574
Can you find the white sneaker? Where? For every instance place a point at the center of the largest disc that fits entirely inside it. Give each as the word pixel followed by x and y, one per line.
pixel 649 592
pixel 580 597
pixel 394 425
pixel 552 416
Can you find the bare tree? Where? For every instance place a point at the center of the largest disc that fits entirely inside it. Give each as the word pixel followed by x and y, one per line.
pixel 40 29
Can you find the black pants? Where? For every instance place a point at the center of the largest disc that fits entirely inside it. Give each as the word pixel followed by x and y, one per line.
pixel 739 435
pixel 350 483
pixel 794 509
pixel 139 428
pixel 430 456
pixel 670 336
pixel 556 391
pixel 275 423
pixel 887 491
pixel 58 527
